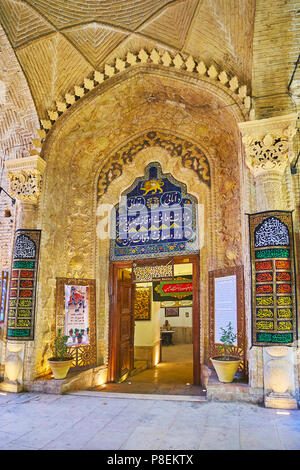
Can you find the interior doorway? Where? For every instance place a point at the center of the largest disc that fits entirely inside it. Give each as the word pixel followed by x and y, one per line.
pixel 144 350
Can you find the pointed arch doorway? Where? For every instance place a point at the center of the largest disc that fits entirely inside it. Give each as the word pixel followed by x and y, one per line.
pixel 160 198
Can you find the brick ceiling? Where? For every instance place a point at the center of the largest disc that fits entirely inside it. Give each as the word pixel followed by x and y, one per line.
pixel 58 43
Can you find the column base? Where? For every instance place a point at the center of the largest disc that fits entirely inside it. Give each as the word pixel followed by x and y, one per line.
pixel 10 386
pixel 281 401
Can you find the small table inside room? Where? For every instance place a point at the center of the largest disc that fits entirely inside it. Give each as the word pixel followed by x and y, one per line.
pixel 166 337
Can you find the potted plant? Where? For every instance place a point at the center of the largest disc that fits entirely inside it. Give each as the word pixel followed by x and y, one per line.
pixel 61 362
pixel 226 364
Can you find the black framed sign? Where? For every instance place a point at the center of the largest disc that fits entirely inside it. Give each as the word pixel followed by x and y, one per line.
pixel 22 290
pixel 274 319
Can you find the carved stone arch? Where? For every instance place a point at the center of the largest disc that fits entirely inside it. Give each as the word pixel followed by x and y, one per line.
pixel 226 89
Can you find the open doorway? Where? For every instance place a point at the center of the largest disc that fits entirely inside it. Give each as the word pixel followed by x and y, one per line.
pixel 163 333
pixel 147 353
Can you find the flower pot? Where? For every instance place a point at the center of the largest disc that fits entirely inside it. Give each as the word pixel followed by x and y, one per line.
pixel 225 369
pixel 60 369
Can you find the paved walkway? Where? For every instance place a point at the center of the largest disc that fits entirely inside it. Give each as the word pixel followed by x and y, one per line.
pixel 89 421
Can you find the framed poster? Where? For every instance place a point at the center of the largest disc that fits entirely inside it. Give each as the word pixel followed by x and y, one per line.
pixel 226 304
pixel 172 312
pixel 75 315
pixel 274 318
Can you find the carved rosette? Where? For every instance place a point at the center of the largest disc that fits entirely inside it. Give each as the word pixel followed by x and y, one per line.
pixel 269 144
pixel 25 176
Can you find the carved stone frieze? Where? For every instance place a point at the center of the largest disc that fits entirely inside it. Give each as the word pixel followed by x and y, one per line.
pixel 191 156
pixel 25 176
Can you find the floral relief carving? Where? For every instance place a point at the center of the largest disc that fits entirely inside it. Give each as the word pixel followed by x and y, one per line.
pixel 26 185
pixel 191 156
pixel 272 151
pixel 25 176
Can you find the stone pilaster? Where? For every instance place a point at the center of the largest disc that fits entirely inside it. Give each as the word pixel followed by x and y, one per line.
pixel 25 177
pixel 269 147
pixel 269 154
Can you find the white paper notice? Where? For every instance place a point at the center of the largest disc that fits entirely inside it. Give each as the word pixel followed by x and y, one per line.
pixel 225 305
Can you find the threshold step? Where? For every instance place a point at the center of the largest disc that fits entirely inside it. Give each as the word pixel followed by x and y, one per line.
pixel 141 396
pixel 139 366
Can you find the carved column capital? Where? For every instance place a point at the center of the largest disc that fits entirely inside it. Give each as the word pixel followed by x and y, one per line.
pixel 25 176
pixel 269 144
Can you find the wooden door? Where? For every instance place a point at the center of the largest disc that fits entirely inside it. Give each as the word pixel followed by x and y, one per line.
pixel 126 330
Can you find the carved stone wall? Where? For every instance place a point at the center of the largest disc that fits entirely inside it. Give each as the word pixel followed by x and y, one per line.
pixel 83 144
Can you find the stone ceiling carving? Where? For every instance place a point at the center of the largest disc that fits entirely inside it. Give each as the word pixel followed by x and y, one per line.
pixel 59 43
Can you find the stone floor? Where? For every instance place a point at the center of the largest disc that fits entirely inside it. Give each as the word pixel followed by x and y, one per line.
pixel 172 376
pixel 87 420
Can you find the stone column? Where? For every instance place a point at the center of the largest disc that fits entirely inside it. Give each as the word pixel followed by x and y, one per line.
pixel 269 154
pixel 25 176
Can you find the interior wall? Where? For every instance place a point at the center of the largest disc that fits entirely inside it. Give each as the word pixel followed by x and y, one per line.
pixel 181 320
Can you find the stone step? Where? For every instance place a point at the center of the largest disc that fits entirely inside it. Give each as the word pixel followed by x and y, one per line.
pixel 139 366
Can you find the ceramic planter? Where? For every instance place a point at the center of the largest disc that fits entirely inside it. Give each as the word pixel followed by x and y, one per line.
pixel 225 369
pixel 60 369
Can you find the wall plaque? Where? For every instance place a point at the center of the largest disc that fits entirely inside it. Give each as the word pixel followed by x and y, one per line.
pixel 181 287
pixel 226 304
pixel 22 291
pixel 155 218
pixel 273 278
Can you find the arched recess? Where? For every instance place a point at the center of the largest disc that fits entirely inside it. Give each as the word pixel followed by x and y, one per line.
pixel 135 156
pixel 84 142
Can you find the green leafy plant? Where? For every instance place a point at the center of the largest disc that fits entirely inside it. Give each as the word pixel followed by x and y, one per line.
pixel 61 348
pixel 227 339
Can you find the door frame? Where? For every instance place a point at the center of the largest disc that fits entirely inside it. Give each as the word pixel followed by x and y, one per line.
pixel 114 320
